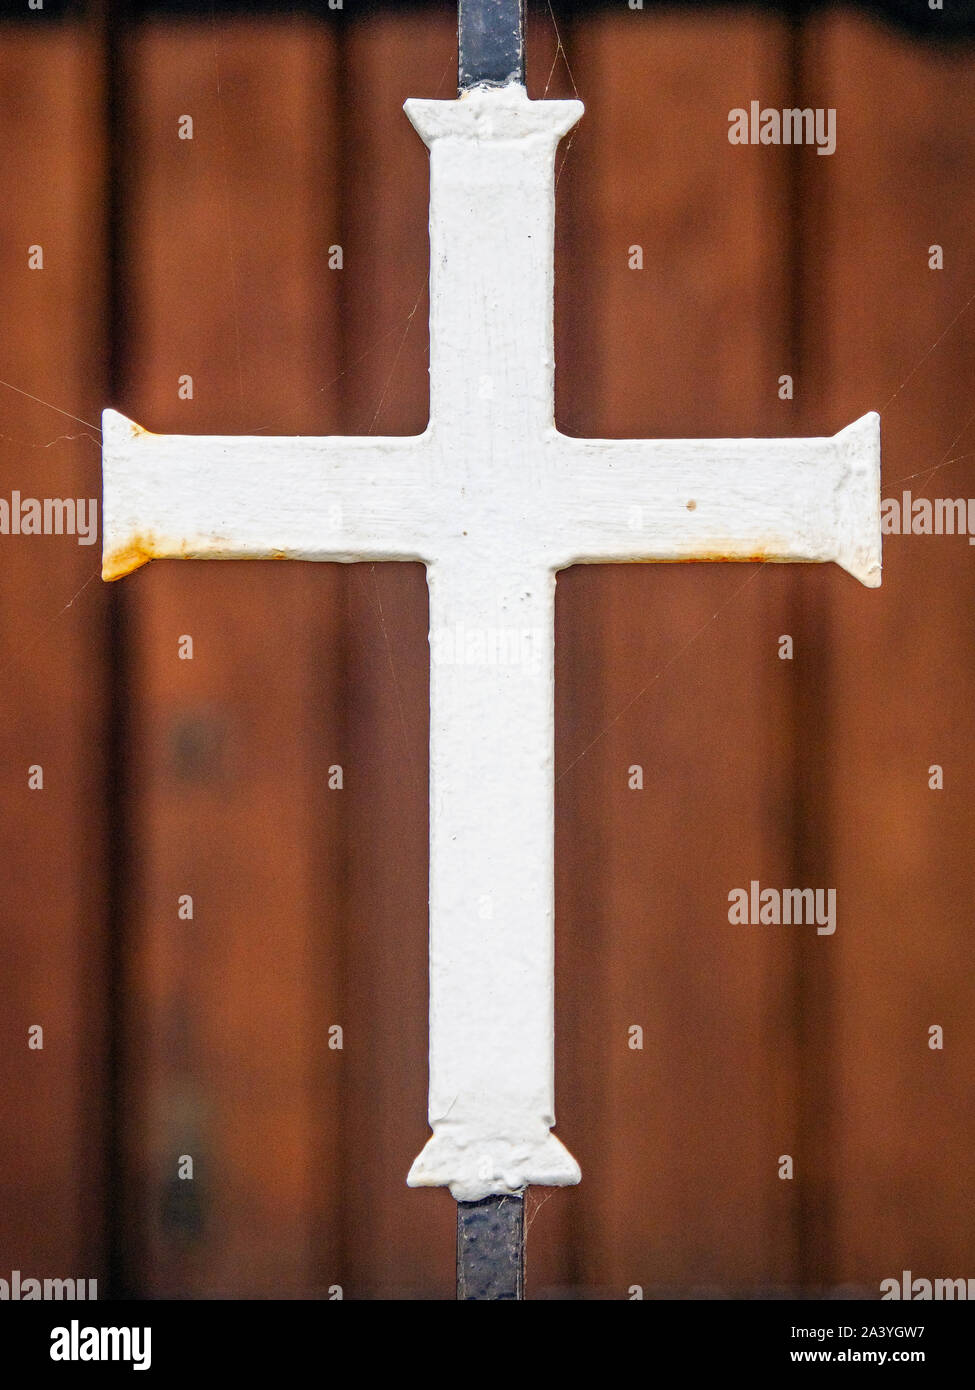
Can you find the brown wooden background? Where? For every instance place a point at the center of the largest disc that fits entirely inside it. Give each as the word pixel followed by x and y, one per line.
pixel 162 777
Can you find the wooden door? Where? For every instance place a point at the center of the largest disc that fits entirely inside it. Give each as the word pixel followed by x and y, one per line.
pixel 277 1037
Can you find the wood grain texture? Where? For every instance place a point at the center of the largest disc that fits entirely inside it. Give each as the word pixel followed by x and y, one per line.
pixel 674 668
pixel 228 1057
pixel 404 1239
pixel 899 335
pixel 52 943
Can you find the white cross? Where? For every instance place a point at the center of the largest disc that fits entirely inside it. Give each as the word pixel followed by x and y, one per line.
pixel 494 501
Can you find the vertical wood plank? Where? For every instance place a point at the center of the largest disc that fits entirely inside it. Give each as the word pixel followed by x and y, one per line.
pixel 229 752
pixel 675 668
pixel 404 1244
pixel 52 946
pixel 897 337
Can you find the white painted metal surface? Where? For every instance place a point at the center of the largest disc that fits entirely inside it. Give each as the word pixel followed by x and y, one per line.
pixel 494 501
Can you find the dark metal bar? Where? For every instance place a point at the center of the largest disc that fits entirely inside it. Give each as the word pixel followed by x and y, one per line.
pixel 491 1249
pixel 124 1255
pixel 491 42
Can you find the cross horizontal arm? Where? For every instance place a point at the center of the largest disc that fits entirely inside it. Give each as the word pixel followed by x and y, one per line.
pixel 255 497
pixel 719 499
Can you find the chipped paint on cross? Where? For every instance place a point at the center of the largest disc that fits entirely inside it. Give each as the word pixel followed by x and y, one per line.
pixel 494 501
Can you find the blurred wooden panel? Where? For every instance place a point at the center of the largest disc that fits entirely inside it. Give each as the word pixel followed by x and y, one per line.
pixel 229 753
pixel 898 337
pixel 675 668
pixel 404 1238
pixel 52 945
